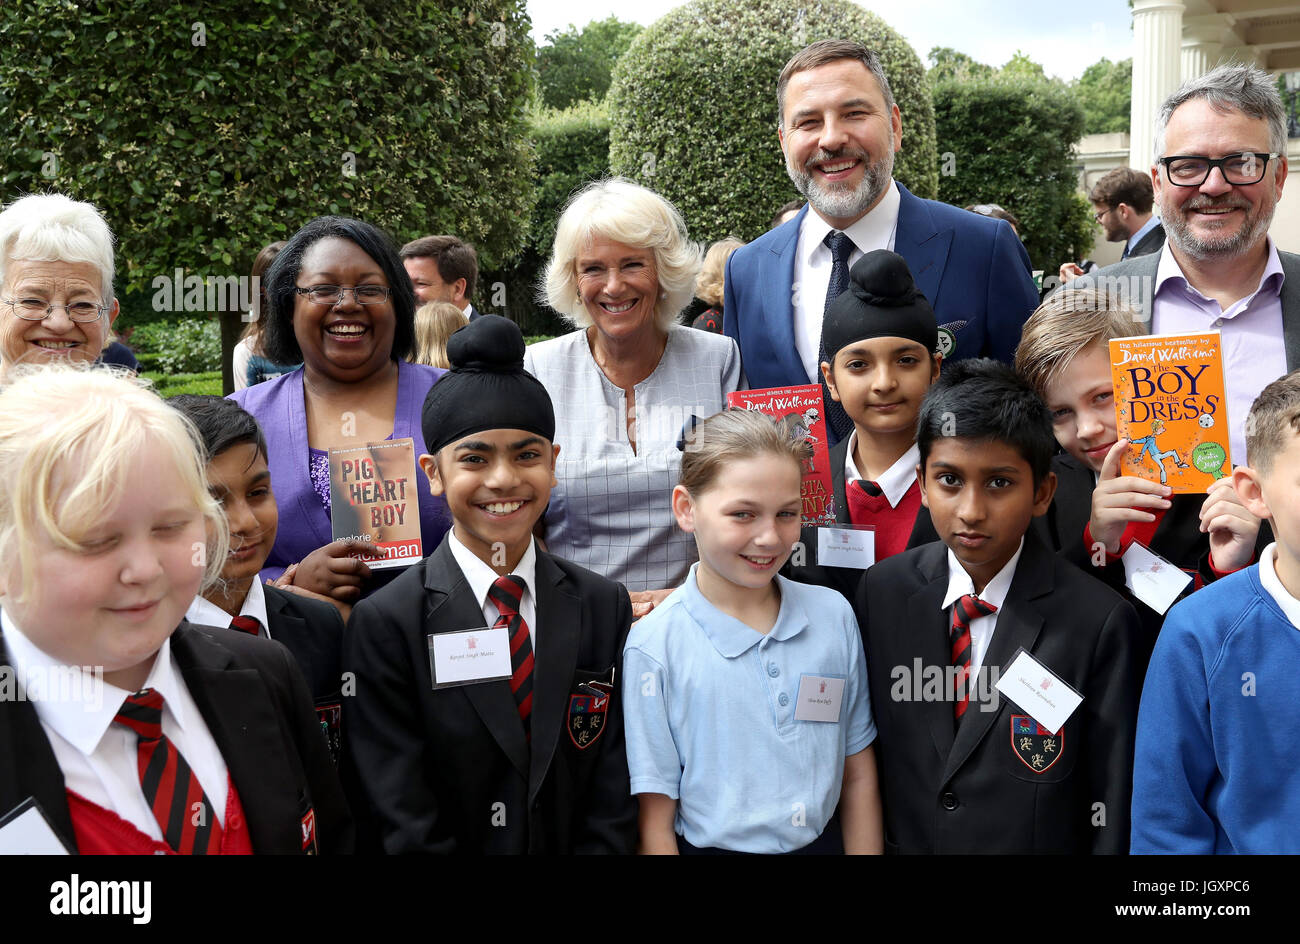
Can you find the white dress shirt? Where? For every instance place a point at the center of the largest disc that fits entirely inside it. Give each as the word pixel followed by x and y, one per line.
pixel 480 578
pixel 812 269
pixel 1272 585
pixel 209 614
pixel 982 627
pixel 99 759
pixel 897 479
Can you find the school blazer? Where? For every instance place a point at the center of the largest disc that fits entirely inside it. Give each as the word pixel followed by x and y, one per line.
pixel 846 579
pixel 1178 538
pixel 256 704
pixel 973 791
pixel 449 771
pixel 313 631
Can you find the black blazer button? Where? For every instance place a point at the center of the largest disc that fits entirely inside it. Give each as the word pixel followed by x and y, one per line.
pixel 949 801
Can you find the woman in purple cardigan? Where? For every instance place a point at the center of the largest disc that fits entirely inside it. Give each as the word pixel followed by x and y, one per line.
pixel 340 303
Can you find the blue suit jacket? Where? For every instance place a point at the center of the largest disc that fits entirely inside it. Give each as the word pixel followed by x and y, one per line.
pixel 971 268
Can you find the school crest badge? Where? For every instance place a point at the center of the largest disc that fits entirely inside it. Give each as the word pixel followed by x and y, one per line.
pixel 587 716
pixel 1037 747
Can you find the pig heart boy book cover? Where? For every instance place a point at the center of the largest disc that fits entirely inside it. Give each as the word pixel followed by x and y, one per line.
pixel 374 497
pixel 1170 406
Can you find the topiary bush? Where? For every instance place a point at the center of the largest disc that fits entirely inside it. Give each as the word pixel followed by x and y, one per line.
pixel 205 131
pixel 1010 137
pixel 572 148
pixel 693 106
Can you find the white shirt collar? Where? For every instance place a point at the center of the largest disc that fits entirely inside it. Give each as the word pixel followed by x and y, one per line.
pixel 480 576
pixel 79 720
pixel 960 583
pixel 1272 585
pixel 206 613
pixel 898 478
pixel 469 306
pixel 874 231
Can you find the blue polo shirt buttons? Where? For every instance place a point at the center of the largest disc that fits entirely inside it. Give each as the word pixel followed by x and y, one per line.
pixel 783 699
pixel 772 670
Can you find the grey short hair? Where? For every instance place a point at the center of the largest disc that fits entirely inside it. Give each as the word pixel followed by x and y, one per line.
pixel 624 212
pixel 1230 87
pixel 824 52
pixel 49 227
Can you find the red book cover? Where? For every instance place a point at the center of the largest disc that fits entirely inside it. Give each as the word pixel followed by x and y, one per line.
pixel 802 408
pixel 373 497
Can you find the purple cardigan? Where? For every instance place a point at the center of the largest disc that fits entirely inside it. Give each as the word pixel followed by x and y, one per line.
pixel 304 526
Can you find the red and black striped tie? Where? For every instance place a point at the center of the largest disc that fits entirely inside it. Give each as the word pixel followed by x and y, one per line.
pixel 189 825
pixel 968 608
pixel 249 624
pixel 506 592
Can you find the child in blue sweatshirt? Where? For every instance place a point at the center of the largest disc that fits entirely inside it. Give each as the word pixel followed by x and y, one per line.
pixel 1217 766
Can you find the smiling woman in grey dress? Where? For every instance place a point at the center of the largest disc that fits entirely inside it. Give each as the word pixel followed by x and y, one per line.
pixel 624 383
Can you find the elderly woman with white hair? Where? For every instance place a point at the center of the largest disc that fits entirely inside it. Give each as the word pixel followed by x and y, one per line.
pixel 56 281
pixel 624 384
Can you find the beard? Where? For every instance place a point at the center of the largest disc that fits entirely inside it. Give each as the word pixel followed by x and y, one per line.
pixel 843 201
pixel 1178 227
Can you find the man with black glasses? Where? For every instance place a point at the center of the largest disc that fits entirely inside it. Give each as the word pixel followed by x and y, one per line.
pixel 1220 165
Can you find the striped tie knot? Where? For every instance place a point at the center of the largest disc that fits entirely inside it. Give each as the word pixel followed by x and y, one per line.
pixel 968 608
pixel 142 713
pixel 507 592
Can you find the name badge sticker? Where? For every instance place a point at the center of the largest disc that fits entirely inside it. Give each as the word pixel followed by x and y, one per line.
pixel 469 656
pixel 25 830
pixel 1038 692
pixel 819 698
pixel 852 545
pixel 1153 580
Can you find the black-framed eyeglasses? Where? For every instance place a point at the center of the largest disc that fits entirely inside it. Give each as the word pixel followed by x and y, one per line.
pixel 1240 170
pixel 37 309
pixel 333 294
pixel 1098 217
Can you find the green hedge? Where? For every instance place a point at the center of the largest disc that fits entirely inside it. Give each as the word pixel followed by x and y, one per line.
pixel 188 346
pixel 171 385
pixel 572 149
pixel 1010 138
pixel 205 131
pixel 693 106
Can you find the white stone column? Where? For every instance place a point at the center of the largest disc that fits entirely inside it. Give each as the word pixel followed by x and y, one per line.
pixel 1157 71
pixel 1199 57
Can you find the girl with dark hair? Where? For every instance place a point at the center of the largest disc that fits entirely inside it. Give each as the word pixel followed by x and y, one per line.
pixel 340 302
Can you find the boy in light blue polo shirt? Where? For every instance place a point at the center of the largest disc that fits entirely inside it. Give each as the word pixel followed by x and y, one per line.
pixel 746 708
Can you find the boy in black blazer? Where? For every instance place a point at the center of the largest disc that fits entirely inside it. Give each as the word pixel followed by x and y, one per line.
pixel 881 339
pixel 239 478
pixel 524 755
pixel 1097 513
pixel 963 768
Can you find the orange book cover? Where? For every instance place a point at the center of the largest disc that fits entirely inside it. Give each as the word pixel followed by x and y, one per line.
pixel 1171 407
pixel 802 408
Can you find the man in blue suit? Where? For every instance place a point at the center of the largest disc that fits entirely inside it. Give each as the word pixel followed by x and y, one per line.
pixel 839 130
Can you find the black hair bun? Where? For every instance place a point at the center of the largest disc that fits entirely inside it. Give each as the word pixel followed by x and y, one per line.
pixel 490 343
pixel 882 278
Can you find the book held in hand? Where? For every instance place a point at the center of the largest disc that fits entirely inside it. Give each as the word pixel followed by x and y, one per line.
pixel 374 497
pixel 1171 406
pixel 801 409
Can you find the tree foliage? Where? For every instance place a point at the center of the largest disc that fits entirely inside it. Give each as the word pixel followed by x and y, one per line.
pixel 1105 91
pixel 1011 137
pixel 204 132
pixel 575 65
pixel 693 106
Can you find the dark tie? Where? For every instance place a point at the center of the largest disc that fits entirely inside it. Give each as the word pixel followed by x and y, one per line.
pixel 1124 255
pixel 189 825
pixel 969 607
pixel 838 423
pixel 506 592
pixel 247 624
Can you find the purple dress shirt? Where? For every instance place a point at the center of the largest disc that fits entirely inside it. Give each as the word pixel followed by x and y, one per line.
pixel 304 524
pixel 1250 332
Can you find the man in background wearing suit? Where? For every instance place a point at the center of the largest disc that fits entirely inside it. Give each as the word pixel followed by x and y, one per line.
pixel 1121 205
pixel 443 269
pixel 839 129
pixel 1220 165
